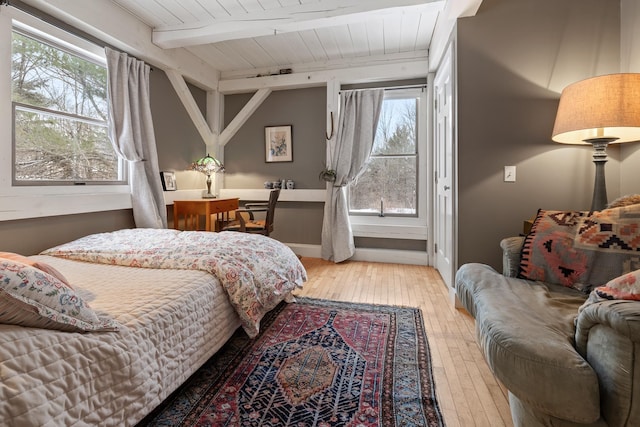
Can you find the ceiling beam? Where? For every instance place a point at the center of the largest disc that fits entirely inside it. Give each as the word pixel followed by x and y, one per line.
pixel 240 119
pixel 198 119
pixel 270 22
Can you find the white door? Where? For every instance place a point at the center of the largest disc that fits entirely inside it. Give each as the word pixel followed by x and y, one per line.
pixel 444 162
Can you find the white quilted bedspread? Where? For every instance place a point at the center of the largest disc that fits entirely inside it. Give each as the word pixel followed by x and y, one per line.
pixel 257 272
pixel 172 322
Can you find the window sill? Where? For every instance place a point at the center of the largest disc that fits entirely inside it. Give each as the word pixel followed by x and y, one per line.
pixel 395 231
pixel 44 205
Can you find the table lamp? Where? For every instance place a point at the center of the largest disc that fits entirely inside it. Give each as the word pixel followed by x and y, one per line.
pixel 599 111
pixel 208 165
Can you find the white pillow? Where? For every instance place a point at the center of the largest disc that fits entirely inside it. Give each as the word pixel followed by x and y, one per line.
pixel 30 297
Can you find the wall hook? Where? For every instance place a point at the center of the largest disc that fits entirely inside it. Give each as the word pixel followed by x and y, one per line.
pixel 325 133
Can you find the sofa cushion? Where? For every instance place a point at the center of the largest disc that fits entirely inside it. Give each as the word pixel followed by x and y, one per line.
pixel 526 331
pixel 581 251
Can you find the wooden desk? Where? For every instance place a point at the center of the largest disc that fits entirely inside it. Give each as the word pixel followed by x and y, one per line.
pixel 192 211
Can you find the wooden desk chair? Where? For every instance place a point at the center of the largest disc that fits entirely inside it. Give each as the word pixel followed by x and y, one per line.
pixel 246 222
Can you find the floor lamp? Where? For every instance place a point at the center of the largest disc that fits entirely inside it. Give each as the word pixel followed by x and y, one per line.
pixel 599 111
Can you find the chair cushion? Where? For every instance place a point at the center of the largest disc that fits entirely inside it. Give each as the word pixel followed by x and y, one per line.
pixel 526 331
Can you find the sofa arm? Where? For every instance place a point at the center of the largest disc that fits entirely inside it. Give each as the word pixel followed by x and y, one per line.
pixel 608 337
pixel 511 247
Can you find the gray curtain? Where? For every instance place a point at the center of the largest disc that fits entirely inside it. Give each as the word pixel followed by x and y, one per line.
pixel 359 113
pixel 133 138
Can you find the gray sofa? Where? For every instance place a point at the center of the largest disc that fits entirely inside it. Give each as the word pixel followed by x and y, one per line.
pixel 563 363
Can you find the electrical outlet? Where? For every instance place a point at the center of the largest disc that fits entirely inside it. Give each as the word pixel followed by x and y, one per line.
pixel 509 174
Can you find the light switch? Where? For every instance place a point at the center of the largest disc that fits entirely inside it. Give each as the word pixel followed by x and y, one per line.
pixel 509 174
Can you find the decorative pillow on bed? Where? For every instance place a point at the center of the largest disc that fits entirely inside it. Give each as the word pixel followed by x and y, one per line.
pixel 626 287
pixel 582 251
pixel 30 297
pixel 37 264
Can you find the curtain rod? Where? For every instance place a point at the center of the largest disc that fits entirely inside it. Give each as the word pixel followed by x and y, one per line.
pixel 420 86
pixel 51 20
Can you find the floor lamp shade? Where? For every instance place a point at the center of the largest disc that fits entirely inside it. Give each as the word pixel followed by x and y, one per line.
pixel 599 111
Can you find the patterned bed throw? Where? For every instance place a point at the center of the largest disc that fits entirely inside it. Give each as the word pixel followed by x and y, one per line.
pixel 256 271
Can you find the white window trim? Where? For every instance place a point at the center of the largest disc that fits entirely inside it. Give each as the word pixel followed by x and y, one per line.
pixel 397 227
pixel 21 202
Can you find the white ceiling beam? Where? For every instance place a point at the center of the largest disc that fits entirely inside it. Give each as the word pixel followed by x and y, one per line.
pixel 395 71
pixel 443 31
pixel 327 13
pixel 256 100
pixel 198 119
pixel 110 23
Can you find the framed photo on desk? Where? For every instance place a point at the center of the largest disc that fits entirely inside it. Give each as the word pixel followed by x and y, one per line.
pixel 168 181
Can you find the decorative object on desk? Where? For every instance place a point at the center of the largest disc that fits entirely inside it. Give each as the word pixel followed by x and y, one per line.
pixel 278 144
pixel 208 165
pixel 291 184
pixel 599 111
pixel 268 184
pixel 327 175
pixel 276 185
pixel 168 181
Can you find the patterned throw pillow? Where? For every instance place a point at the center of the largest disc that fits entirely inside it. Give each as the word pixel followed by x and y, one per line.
pixel 548 254
pixel 582 251
pixel 37 264
pixel 625 287
pixel 32 298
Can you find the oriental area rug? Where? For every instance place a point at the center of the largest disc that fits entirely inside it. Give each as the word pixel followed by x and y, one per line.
pixel 315 363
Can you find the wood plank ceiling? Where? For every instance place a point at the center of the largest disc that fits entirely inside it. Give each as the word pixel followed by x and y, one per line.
pixel 257 37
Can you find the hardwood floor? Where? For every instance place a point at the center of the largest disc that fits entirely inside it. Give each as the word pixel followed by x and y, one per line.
pixel 467 392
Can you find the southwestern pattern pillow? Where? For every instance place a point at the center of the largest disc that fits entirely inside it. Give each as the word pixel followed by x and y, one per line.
pixel 625 287
pixel 548 254
pixel 582 251
pixel 32 298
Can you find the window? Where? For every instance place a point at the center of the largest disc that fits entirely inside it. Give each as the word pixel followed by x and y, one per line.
pixel 389 186
pixel 60 114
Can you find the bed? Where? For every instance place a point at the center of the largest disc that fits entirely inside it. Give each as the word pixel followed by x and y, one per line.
pixel 158 304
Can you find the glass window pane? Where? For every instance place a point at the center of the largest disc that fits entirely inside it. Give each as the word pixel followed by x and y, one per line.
pixel 390 179
pixel 396 133
pixel 48 77
pixel 52 148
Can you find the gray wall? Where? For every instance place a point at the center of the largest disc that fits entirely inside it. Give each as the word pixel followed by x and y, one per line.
pixel 513 60
pixel 177 139
pixel 32 236
pixel 244 155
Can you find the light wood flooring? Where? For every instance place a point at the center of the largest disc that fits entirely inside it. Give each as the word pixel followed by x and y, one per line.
pixel 466 390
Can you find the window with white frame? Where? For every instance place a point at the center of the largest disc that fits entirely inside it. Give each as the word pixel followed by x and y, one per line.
pixel 390 185
pixel 60 114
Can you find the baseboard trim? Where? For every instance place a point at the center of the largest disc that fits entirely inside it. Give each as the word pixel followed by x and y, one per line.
pixel 392 256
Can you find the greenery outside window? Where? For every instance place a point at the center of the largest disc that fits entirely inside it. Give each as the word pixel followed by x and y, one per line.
pixel 60 114
pixel 389 186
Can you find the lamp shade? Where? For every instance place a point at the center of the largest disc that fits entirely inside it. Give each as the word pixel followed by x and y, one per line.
pixel 600 108
pixel 207 165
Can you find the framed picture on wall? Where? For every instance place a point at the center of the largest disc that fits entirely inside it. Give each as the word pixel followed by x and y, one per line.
pixel 168 181
pixel 278 144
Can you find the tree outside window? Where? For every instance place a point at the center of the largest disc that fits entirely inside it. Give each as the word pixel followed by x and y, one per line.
pixel 389 184
pixel 60 116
